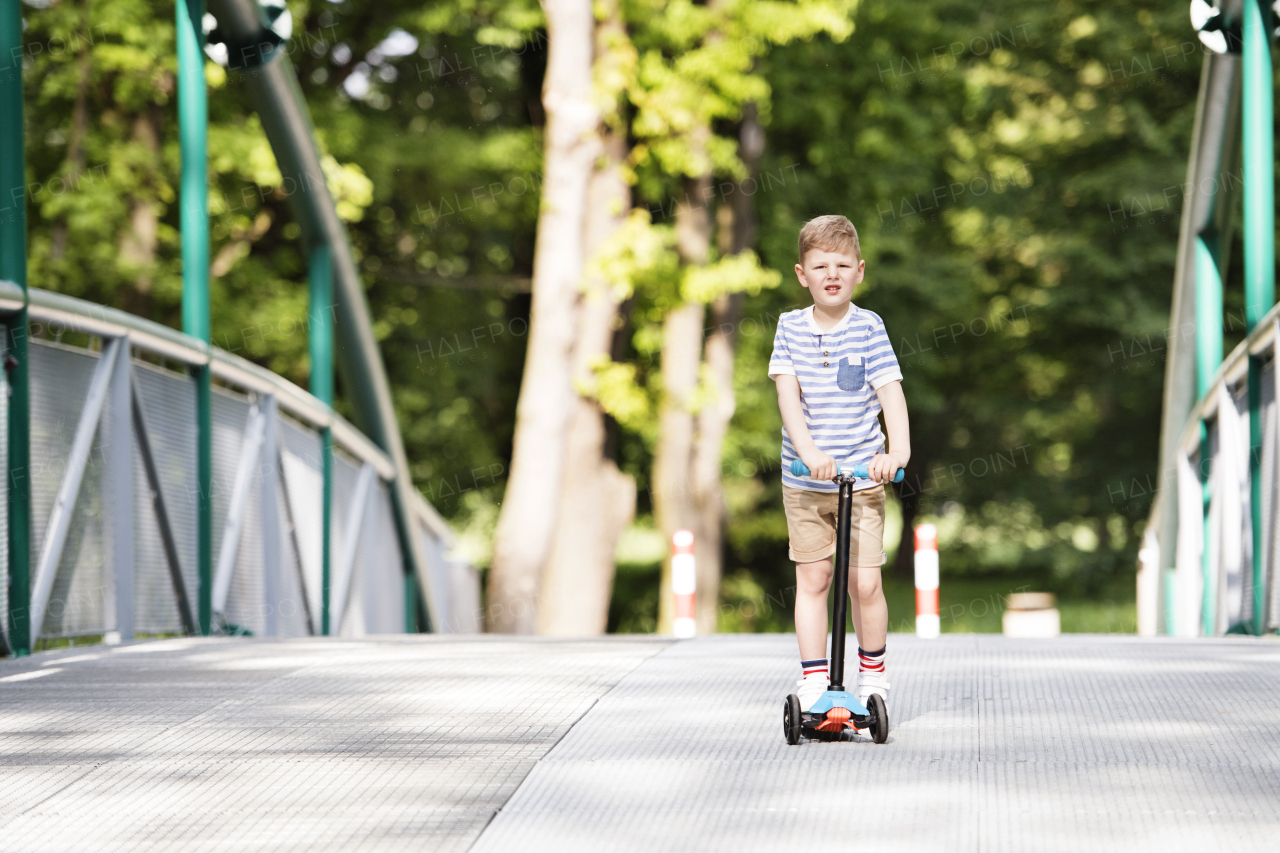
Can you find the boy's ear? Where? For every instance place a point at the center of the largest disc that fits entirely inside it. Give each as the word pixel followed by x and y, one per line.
pixel 800 276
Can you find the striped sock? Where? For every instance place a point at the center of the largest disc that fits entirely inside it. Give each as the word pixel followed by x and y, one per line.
pixel 871 661
pixel 816 668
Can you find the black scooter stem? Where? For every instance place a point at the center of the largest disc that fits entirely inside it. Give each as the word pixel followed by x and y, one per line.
pixel 841 609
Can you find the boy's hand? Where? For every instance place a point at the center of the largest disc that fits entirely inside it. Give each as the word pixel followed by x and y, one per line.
pixel 884 465
pixel 821 466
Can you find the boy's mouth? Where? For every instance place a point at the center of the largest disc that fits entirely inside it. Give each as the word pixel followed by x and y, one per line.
pixel 832 289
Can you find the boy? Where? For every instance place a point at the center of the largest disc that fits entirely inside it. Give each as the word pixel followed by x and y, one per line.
pixel 835 371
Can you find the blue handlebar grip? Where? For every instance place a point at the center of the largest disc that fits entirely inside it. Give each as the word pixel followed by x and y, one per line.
pixel 802 470
pixel 861 471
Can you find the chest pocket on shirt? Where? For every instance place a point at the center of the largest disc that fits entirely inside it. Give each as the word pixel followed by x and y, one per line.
pixel 851 375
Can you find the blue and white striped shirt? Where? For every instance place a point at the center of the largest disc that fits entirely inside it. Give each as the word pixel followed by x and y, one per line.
pixel 839 371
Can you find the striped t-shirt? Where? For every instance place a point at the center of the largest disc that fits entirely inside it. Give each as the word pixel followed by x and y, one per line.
pixel 839 371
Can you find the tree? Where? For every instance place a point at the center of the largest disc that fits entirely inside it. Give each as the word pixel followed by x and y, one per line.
pixel 572 145
pixel 597 501
pixel 1027 300
pixel 696 72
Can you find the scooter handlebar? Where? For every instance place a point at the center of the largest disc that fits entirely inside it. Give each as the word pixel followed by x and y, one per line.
pixel 802 470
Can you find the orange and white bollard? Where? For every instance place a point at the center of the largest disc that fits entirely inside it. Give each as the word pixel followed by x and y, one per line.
pixel 928 624
pixel 684 582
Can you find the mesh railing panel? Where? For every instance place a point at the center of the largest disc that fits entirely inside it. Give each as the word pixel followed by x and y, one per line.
pixel 60 379
pixel 436 573
pixel 300 460
pixel 383 602
pixel 291 613
pixel 1237 585
pixel 1270 458
pixel 245 601
pixel 345 474
pixel 169 406
pixel 1229 540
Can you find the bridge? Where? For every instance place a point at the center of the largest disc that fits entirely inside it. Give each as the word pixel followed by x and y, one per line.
pixel 635 744
pixel 159 485
pixel 228 619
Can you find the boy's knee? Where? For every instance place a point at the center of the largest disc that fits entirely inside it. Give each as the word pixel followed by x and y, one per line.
pixel 814 577
pixel 868 584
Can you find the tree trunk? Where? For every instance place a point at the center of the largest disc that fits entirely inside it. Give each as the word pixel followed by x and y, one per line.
pixel 737 227
pixel 527 521
pixel 713 424
pixel 597 501
pixel 675 502
pixel 79 128
pixel 138 242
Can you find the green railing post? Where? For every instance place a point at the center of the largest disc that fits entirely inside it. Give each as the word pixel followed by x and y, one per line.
pixel 410 604
pixel 320 342
pixel 1208 357
pixel 193 127
pixel 1259 248
pixel 13 267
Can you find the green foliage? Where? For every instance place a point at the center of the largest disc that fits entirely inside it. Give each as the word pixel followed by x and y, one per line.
pixel 1015 173
pixel 696 66
pixel 1014 169
pixel 427 122
pixel 740 273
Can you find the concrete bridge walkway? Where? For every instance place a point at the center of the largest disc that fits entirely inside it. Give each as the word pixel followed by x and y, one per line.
pixel 636 744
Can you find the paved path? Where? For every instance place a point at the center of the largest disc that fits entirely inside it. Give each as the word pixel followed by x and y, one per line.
pixel 1080 743
pixel 308 745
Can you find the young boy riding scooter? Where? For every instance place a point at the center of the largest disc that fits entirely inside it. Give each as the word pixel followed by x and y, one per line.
pixel 835 371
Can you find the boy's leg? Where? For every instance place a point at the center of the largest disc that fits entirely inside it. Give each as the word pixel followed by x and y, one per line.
pixel 867 605
pixel 869 609
pixel 813 580
pixel 811 527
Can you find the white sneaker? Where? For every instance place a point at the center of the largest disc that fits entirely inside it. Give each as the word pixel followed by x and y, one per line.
pixel 810 689
pixel 872 682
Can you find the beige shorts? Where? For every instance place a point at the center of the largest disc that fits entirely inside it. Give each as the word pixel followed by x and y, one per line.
pixel 811 523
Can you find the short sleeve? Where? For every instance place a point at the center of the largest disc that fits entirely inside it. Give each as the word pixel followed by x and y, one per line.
pixel 780 362
pixel 881 362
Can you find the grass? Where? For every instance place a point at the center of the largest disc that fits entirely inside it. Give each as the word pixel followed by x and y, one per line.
pixel 965 605
pixel 976 606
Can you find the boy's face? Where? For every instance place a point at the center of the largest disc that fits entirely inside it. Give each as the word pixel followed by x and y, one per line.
pixel 830 276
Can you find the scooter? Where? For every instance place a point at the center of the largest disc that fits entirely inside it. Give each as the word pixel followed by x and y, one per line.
pixel 836 709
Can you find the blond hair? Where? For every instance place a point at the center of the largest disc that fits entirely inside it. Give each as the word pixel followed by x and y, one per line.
pixel 833 233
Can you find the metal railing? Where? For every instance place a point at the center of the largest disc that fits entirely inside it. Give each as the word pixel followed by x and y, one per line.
pixel 1207 564
pixel 1214 587
pixel 113 493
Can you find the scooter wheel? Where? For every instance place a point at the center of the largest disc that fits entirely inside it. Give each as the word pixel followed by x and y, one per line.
pixel 879 718
pixel 791 719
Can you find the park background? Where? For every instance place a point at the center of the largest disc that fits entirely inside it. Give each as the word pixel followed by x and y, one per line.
pixel 1014 170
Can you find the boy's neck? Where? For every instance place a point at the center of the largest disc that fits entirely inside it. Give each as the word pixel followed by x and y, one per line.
pixel 827 318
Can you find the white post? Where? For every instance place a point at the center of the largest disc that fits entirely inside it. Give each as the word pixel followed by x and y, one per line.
pixel 117 489
pixel 1148 580
pixel 684 582
pixel 928 624
pixel 270 508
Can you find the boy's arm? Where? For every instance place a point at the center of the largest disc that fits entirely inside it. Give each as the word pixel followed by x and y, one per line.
pixel 821 466
pixel 894 406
